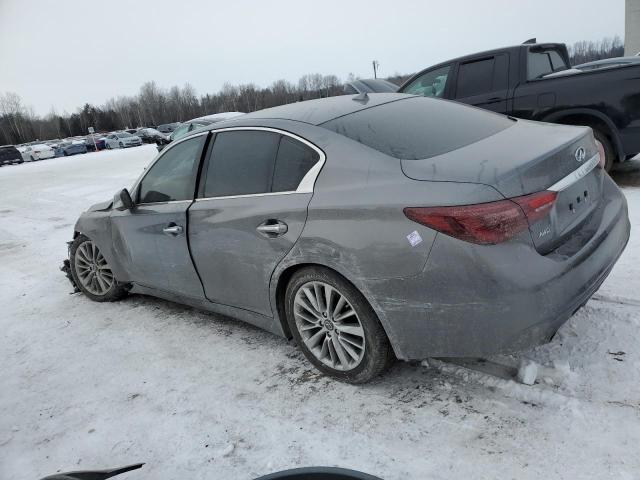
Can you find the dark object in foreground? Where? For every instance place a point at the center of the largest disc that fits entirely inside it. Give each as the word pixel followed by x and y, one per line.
pixel 93 474
pixel 535 81
pixel 308 473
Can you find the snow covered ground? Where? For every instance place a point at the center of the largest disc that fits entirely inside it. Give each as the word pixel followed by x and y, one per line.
pixel 199 396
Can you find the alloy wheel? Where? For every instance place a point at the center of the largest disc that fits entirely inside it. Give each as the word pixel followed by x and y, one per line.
pixel 92 269
pixel 329 326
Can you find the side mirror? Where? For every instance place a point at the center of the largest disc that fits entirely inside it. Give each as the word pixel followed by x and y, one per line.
pixel 125 199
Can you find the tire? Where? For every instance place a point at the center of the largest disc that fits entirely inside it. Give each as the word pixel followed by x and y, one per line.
pixel 80 259
pixel 368 352
pixel 108 147
pixel 609 152
pixel 120 145
pixel 32 159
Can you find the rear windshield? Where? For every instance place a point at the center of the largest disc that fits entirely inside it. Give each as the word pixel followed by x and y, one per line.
pixel 418 127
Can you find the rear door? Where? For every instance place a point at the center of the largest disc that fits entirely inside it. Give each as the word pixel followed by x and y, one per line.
pixel 484 82
pixel 153 235
pixel 255 187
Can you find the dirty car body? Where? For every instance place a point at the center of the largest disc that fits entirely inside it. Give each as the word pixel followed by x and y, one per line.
pixel 469 233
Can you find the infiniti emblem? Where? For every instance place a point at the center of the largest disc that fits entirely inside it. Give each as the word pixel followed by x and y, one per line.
pixel 580 154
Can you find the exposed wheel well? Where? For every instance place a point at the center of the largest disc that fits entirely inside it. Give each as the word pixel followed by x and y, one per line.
pixel 595 123
pixel 281 288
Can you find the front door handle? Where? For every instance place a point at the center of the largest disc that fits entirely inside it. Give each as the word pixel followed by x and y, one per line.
pixel 272 228
pixel 172 230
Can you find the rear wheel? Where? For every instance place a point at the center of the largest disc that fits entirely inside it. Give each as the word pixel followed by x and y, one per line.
pixel 335 327
pixel 609 152
pixel 92 273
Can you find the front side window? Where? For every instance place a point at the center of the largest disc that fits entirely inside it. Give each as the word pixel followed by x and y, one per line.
pixel 173 176
pixel 430 84
pixel 241 163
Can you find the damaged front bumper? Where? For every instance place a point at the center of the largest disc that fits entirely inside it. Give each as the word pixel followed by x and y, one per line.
pixel 66 268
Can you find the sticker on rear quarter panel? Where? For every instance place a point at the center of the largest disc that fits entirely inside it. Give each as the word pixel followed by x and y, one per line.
pixel 414 238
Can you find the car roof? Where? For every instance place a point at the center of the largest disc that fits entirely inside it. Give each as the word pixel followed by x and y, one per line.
pixel 316 112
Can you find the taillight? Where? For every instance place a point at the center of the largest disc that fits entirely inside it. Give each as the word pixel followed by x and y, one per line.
pixel 486 223
pixel 601 153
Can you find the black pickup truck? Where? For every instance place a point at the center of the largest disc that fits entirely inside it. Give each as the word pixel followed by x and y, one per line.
pixel 535 81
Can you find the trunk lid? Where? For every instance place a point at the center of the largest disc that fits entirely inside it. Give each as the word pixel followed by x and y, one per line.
pixel 530 157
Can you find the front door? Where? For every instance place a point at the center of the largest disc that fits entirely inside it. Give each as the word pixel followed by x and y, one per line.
pixel 255 188
pixel 152 237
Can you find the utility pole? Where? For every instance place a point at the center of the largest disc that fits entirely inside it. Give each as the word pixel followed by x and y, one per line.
pixel 376 64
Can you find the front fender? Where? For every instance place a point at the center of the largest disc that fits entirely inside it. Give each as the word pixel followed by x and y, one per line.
pixel 96 225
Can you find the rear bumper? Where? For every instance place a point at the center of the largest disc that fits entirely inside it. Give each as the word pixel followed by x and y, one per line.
pixel 473 301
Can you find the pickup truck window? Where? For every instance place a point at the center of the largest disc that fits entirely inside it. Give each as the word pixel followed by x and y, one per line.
pixel 541 63
pixel 430 84
pixel 475 78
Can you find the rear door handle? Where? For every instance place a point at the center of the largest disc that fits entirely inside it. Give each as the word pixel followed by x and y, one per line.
pixel 172 230
pixel 272 228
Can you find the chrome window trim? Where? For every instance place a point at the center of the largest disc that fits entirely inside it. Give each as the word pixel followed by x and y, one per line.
pixel 307 183
pixel 581 172
pixel 160 155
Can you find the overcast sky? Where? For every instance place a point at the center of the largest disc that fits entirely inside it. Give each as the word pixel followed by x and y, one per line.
pixel 65 53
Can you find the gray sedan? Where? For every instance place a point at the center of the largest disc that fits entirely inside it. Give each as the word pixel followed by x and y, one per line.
pixel 367 228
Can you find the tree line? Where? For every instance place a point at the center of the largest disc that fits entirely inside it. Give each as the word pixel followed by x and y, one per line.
pixel 154 105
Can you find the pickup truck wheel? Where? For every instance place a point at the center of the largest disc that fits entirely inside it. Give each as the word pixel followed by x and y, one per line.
pixel 609 153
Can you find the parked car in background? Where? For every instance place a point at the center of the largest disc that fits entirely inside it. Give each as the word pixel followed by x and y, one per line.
pixel 151 135
pixel 526 81
pixel 73 147
pixel 95 140
pixel 122 140
pixel 10 155
pixel 167 128
pixel 370 85
pixel 38 151
pixel 365 230
pixel 189 126
pixel 608 63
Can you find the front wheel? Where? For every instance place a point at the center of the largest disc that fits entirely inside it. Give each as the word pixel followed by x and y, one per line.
pixel 335 327
pixel 120 145
pixel 92 273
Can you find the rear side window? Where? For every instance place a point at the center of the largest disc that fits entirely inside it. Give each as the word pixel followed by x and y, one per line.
pixel 475 77
pixel 173 176
pixel 241 163
pixel 293 161
pixel 482 76
pixel 418 128
pixel 541 63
